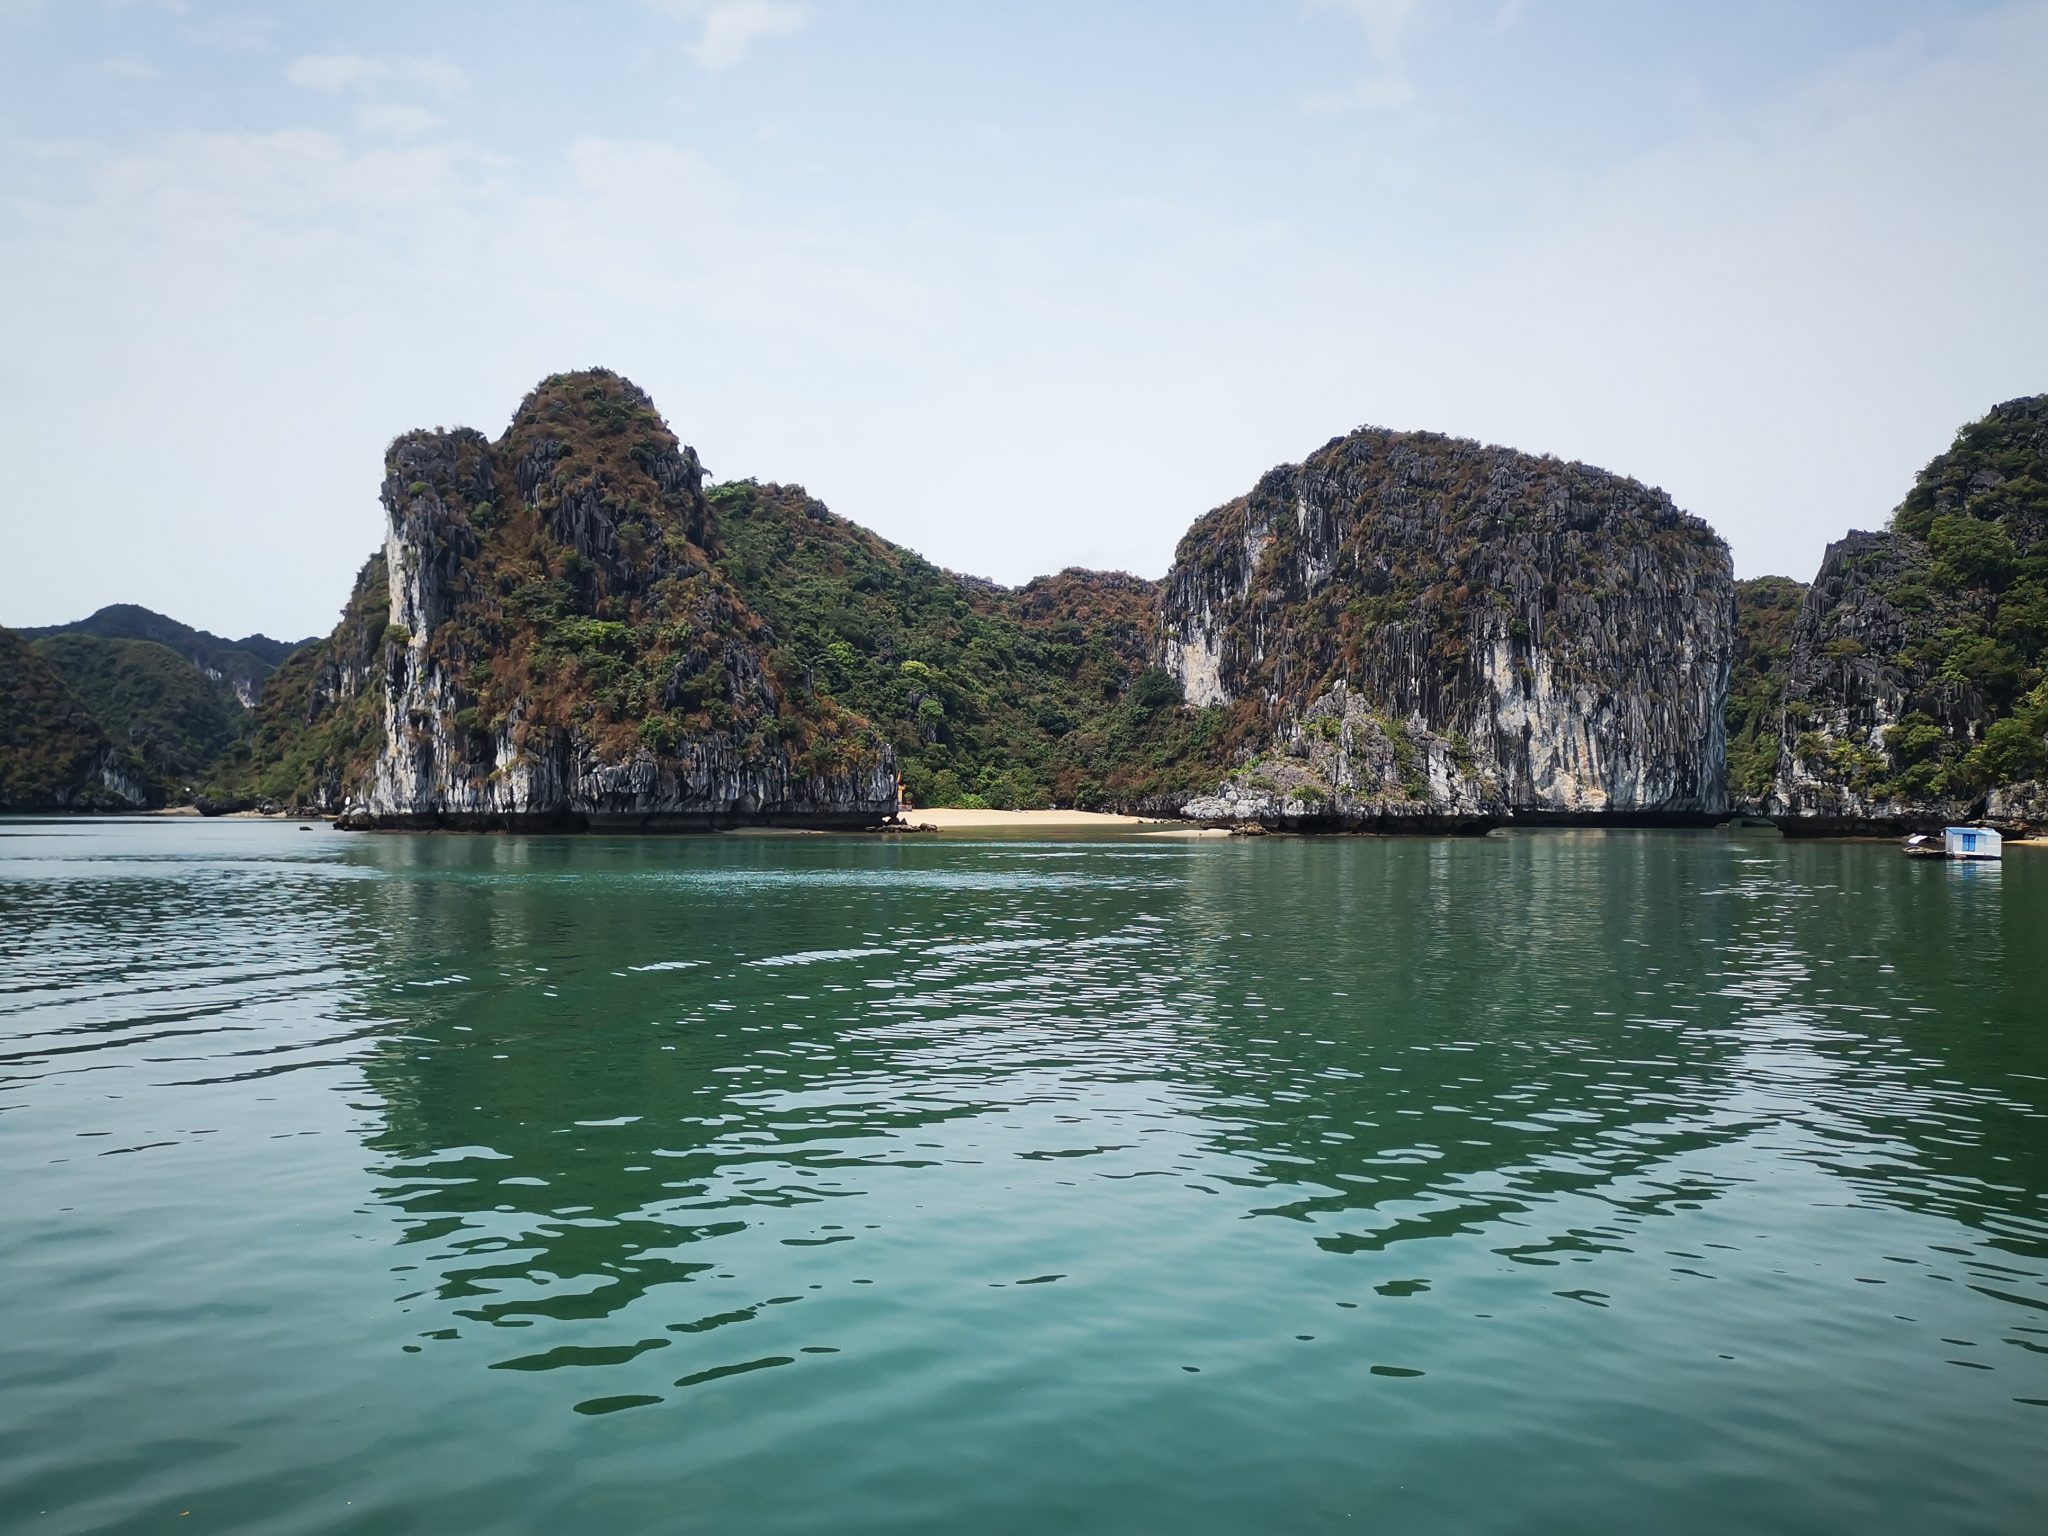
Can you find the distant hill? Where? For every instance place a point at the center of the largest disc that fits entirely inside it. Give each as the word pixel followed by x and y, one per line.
pixel 148 699
pixel 53 753
pixel 127 707
pixel 243 666
pixel 1010 698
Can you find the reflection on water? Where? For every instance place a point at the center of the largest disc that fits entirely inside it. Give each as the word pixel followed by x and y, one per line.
pixel 1555 1181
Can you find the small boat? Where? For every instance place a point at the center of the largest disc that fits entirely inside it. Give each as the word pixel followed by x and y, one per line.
pixel 1956 843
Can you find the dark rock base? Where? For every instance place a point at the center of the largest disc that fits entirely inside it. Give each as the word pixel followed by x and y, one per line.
pixel 1859 826
pixel 653 823
pixel 1638 819
pixel 1448 824
pixel 1367 826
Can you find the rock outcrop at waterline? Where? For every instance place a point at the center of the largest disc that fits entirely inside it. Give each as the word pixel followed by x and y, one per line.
pixel 1914 690
pixel 1431 633
pixel 559 649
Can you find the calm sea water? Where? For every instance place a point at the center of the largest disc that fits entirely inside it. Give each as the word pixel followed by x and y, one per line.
pixel 1550 1182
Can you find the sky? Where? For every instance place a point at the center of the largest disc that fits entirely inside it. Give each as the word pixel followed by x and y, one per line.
pixel 1019 286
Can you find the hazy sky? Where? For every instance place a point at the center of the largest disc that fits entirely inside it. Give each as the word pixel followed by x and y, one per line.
pixel 1019 285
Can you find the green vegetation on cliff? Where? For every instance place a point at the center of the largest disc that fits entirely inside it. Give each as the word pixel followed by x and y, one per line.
pixel 239 665
pixel 557 638
pixel 163 705
pixel 995 697
pixel 52 751
pixel 1918 680
pixel 585 594
pixel 1765 608
pixel 147 698
pixel 316 727
pixel 1981 511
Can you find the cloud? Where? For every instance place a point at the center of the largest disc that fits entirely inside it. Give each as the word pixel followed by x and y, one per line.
pixel 1389 90
pixel 393 120
pixel 335 73
pixel 1384 21
pixel 331 71
pixel 1776 319
pixel 129 66
pixel 728 29
pixel 1383 93
pixel 235 31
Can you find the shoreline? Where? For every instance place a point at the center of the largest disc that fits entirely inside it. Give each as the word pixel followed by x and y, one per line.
pixel 951 819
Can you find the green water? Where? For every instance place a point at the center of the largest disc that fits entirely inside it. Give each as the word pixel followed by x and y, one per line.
pixel 1550 1182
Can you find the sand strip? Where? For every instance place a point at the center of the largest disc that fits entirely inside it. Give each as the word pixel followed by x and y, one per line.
pixel 950 820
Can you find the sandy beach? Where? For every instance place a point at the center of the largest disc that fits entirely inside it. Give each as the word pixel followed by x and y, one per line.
pixel 950 820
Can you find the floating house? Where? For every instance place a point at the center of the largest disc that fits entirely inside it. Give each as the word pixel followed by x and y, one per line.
pixel 1972 843
pixel 1957 843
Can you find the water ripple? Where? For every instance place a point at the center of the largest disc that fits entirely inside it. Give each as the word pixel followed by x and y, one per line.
pixel 1013 1184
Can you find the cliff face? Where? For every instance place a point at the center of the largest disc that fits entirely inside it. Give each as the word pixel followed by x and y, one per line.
pixel 53 754
pixel 1914 689
pixel 559 649
pixel 1430 630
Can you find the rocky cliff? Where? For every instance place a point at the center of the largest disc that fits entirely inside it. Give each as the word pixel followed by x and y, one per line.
pixel 1914 689
pixel 1404 632
pixel 1412 630
pixel 559 648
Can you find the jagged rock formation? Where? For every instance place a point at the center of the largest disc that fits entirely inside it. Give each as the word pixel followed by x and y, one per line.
pixel 1405 632
pixel 53 754
pixel 560 649
pixel 1914 690
pixel 1433 632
